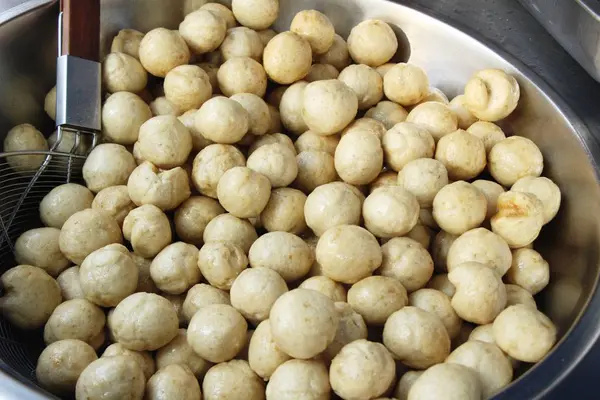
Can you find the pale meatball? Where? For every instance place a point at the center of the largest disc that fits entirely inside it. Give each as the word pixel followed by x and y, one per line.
pixel 388 113
pixel 421 234
pixel 39 247
pixel 266 35
pixel 114 201
pixel 277 162
pixel 416 337
pixel 407 261
pixel 76 319
pixel 200 296
pixel 424 178
pixel 426 219
pixel 386 178
pixel 321 72
pixel 480 294
pixel 390 211
pixel 203 31
pixel 242 42
pixel 162 106
pixel 492 191
pixel 519 218
pixel 144 358
pixel 545 190
pixel 442 283
pixel 217 332
pixel 192 216
pixel 351 327
pixel 70 287
pixel 488 132
pixel 61 363
pixel 173 381
pixel 75 241
pixel 459 207
pixel 529 270
pixel 242 75
pixel 356 246
pixel 258 112
pixel 178 351
pixel 30 296
pixel 291 107
pixel 164 141
pixel 405 383
pixel 287 58
pixel 123 73
pixel 406 84
pixel 462 154
pixel 283 252
pixel 437 303
pixel 328 106
pixel 362 370
pixel 315 168
pixel 337 54
pixel 255 14
pixel 122 115
pixel 228 228
pixel 116 377
pixel 148 230
pixel 127 41
pixel 366 298
pixel 161 50
pixel 307 379
pixel 435 94
pixel 211 71
pixel 188 119
pixel 524 333
pixel 436 117
pixel 108 275
pixel 243 192
pixel 187 86
pixel 464 117
pixel 480 245
pixel 222 11
pixel 372 42
pixel 222 120
pixel 447 381
pixel 384 68
pixel 492 94
pixel 263 354
pixel 303 322
pixel 359 157
pixel 221 263
pixel 232 380
pixel 406 142
pixel 175 269
pixel 107 165
pixel 333 204
pixel 517 295
pixel 285 211
pixel 514 158
pixel 366 83
pixel 330 288
pixel 166 189
pixel 25 137
pixel 50 103
pixel 211 163
pixel 316 28
pixel 371 125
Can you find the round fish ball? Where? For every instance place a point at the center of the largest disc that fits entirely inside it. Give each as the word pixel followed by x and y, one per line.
pixel 435 94
pixel 464 117
pixel 144 358
pixel 405 383
pixel 424 178
pixel 243 192
pixel 361 370
pixel 123 73
pixel 187 86
pixel 287 58
pixel 192 216
pixel 448 381
pixel 480 294
pixel 211 71
pixel 114 201
pixel 75 319
pixel 258 112
pixel 228 228
pixel 285 211
pixel 407 261
pixel 221 263
pixel 529 270
pixel 122 115
pixel 517 295
pixel 351 327
pixel 421 234
pixel 426 219
pixel 442 283
pixel 386 178
pixel 330 288
pixel 177 304
pixel 406 142
pixel 217 332
pixel 164 141
pixel 366 124
pixel 178 351
pixel 480 245
pixel 333 204
pixel 356 246
pixel 222 11
pixel 406 84
pixel 222 120
pixel 39 247
pixel 328 106
pixel 211 163
pixel 416 337
pixel 366 83
pixel 519 218
pixel 390 211
pixel 492 94
pixel 388 113
pixel 524 333
pixel 173 381
pixel 321 72
pixel 283 252
pixel 316 28
pixel 107 165
pixel 161 50
pixel 437 303
pixel 359 157
pixel 462 154
pixel 242 75
pixel 127 41
pixel 50 103
pixel 291 106
pixel 25 137
pixel 148 230
pixel 203 31
pixel 491 190
pixel 254 292
pixel 255 14
pixel 488 132
pixel 111 377
pixel 337 54
pixel 315 168
pixel 70 287
pixel 276 162
pixel 200 296
pixel 384 68
pixel 166 189
pixel 459 207
pixel 514 158
pixel 372 42
pixel 233 379
pixel 436 117
pixel 366 299
pixel 266 35
pixel 263 354
pixel 305 378
pixel 242 42
pixel 545 190
pixel 175 269
pixel 162 106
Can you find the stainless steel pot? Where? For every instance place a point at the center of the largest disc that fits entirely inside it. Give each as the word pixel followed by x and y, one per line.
pixel 570 243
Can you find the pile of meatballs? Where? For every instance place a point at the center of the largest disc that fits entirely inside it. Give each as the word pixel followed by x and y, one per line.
pixel 285 216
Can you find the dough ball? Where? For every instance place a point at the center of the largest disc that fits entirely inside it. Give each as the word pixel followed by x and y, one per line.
pixel 492 94
pixel 203 31
pixel 462 154
pixel 231 380
pixel 366 83
pixel 328 106
pixel 407 261
pixel 424 178
pixel 362 370
pixel 287 58
pixel 211 163
pixel 448 381
pixel 50 103
pixel 390 211
pixel 217 332
pixel 242 42
pixel 436 117
pixel 291 107
pixel 263 354
pixel 406 142
pixel 200 296
pixel 107 165
pixel 384 69
pixel 482 246
pixel 519 218
pixel 61 363
pixel 222 120
pixel 435 94
pixel 243 192
pixel 76 319
pixel 316 28
pixel 257 109
pixel 337 54
pixel 175 269
pixel 439 249
pixel 115 202
pixel 211 71
pixel 187 86
pixel 327 286
pixel 315 168
pixel 127 41
pixel 514 158
pixel 366 124
pixel 365 297
pixel 421 234
pixel 164 141
pixel 524 333
pixel 255 290
pixel 162 106
pixel 416 337
pixel 108 275
pixel 228 228
pixel 122 115
pixel 405 383
pixel 70 287
pixel 480 294
pixel 266 35
pixel 25 137
pixel 388 113
pixel 283 252
pixel 459 207
pixel 30 296
pixel 321 72
pixel 242 75
pixel 517 295
pixel 545 190
pixel 303 322
pixel 442 283
pixel 307 379
pixel 285 211
pixel 386 178
pixel 123 73
pixel 406 84
pixel 255 14
pixel 148 230
pixel 144 358
pixel 464 116
pixel 173 381
pixel 333 204
pixel 221 263
pixel 491 190
pixel 165 189
pixel 359 157
pixel 39 247
pixel 178 351
pixel 116 377
pixel 372 42
pixel 529 270
pixel 437 303
pixel 276 162
pixel 488 132
pixel 356 246
pixel 192 216
pixel 351 327
pixel 161 50
pixel 426 219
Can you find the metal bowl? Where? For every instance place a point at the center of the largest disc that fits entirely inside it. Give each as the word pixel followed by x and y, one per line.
pixel 570 243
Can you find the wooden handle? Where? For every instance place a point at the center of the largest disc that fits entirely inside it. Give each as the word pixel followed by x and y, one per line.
pixel 81 28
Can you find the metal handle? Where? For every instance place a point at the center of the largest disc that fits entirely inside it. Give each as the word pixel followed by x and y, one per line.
pixel 79 29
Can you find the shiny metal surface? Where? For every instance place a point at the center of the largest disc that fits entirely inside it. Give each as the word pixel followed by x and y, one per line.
pixel 571 152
